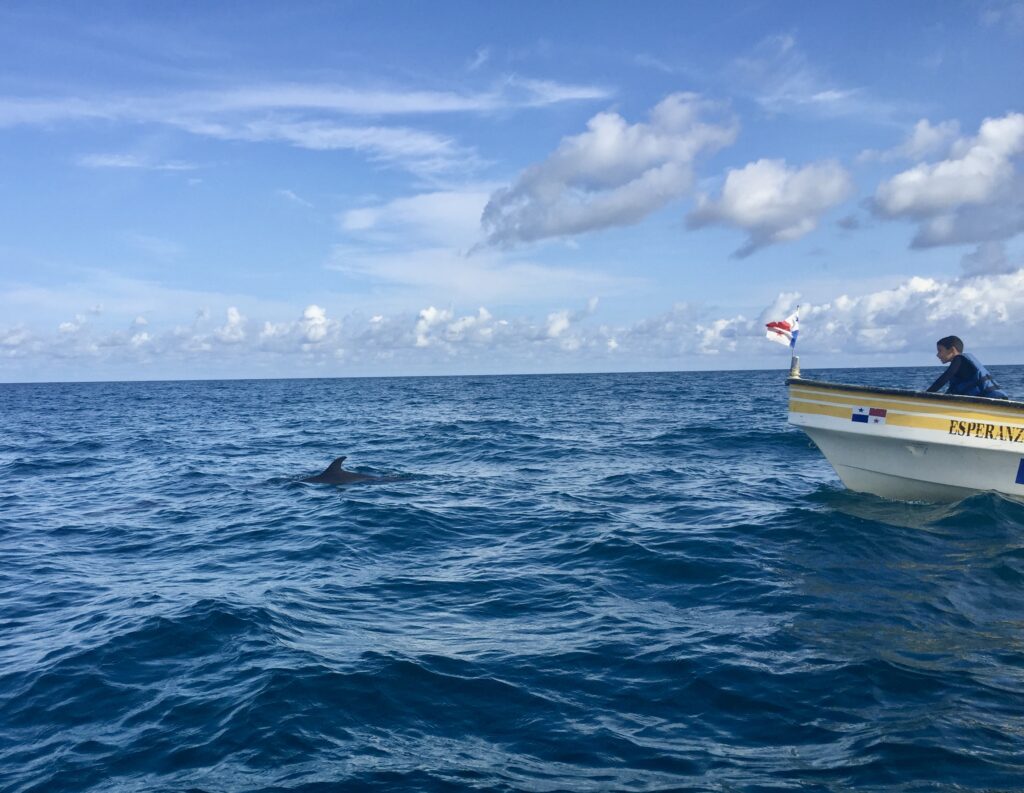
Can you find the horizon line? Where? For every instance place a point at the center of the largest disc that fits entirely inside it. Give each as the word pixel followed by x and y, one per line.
pixel 782 370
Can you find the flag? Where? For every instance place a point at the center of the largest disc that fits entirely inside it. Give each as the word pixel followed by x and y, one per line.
pixel 785 331
pixel 868 415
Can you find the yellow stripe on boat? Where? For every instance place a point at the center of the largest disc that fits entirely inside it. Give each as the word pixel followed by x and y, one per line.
pixel 855 398
pixel 891 417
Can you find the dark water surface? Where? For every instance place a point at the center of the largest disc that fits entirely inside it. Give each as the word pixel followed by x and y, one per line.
pixel 600 582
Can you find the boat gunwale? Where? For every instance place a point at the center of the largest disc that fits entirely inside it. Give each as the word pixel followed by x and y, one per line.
pixel 904 392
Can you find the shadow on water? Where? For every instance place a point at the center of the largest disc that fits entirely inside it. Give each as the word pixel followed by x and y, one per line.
pixel 980 510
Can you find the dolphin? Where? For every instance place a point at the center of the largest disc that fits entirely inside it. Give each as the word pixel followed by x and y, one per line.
pixel 334 474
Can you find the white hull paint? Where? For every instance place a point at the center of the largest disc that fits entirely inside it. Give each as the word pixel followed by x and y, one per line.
pixel 918 447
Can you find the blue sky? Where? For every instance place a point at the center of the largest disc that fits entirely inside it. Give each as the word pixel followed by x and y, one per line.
pixel 249 190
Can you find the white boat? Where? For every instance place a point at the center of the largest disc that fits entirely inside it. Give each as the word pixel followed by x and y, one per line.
pixel 912 445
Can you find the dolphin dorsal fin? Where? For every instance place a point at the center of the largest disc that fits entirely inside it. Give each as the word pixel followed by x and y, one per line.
pixel 334 467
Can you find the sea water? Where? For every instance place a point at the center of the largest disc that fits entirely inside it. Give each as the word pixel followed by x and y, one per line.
pixel 574 583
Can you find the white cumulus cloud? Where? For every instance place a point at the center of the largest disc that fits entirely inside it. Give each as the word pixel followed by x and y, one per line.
pixel 985 310
pixel 974 195
pixel 233 331
pixel 924 140
pixel 613 174
pixel 314 323
pixel 773 202
pixel 985 307
pixel 313 329
pixel 479 323
pixel 72 326
pixel 14 341
pixel 428 319
pixel 558 323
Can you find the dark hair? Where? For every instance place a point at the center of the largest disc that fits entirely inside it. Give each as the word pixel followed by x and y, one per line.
pixel 950 342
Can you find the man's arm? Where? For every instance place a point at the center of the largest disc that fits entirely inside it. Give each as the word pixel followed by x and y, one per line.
pixel 946 376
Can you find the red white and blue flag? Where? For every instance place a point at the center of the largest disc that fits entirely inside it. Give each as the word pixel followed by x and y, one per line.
pixel 785 331
pixel 868 415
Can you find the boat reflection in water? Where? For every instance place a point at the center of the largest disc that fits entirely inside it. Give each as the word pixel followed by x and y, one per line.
pixel 912 445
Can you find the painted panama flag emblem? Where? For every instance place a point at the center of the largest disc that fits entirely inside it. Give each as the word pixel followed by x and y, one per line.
pixel 864 415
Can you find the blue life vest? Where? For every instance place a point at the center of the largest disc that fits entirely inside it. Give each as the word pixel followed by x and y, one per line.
pixel 982 384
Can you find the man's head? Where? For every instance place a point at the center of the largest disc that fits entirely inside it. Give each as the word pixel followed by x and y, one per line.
pixel 948 347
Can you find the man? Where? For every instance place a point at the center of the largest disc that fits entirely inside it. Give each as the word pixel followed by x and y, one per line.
pixel 965 375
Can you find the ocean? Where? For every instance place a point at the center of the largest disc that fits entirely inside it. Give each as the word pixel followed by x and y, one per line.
pixel 618 582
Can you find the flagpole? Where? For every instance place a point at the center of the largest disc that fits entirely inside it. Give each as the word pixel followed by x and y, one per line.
pixel 783 330
pixel 794 362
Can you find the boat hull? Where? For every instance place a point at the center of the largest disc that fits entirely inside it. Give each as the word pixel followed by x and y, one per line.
pixel 913 446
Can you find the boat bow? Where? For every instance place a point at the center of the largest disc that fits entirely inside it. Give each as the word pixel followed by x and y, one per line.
pixel 912 445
